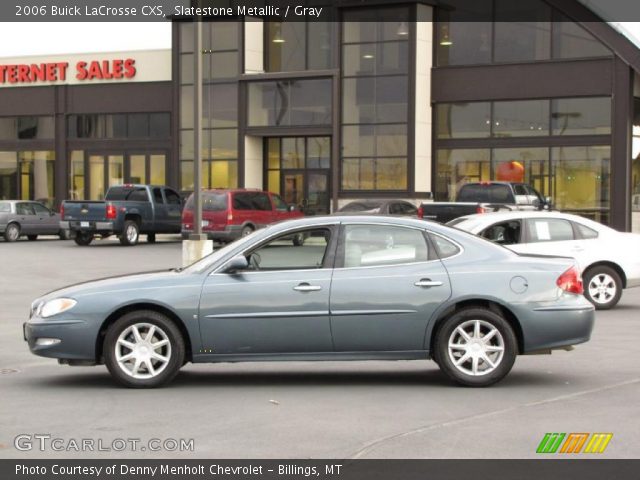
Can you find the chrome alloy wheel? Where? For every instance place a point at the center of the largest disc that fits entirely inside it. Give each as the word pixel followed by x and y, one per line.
pixel 476 347
pixel 602 288
pixel 143 350
pixel 132 233
pixel 13 232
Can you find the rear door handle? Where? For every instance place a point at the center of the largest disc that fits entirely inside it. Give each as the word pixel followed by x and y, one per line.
pixel 305 287
pixel 427 282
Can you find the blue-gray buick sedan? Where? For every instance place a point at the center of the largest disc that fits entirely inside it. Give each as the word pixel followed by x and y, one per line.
pixel 359 288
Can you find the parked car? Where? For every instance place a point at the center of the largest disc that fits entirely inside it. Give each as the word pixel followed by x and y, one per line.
pixel 230 214
pixel 609 260
pixel 361 288
pixel 27 218
pixel 127 211
pixel 379 207
pixel 483 197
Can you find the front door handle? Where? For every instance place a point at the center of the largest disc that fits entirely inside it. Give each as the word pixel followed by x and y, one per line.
pixel 427 282
pixel 305 287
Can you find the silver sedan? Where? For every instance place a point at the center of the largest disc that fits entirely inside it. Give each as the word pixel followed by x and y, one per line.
pixel 360 288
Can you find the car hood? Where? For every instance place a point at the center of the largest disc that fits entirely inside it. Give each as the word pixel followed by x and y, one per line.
pixel 115 283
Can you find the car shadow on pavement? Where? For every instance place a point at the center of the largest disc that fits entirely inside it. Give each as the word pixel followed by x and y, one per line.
pixel 207 379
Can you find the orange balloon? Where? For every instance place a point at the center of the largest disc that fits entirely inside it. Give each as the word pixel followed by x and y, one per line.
pixel 510 172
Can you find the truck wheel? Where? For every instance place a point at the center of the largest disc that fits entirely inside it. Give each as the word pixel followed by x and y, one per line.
pixel 151 238
pixel 83 238
pixel 143 349
pixel 475 347
pixel 12 233
pixel 130 234
pixel 32 238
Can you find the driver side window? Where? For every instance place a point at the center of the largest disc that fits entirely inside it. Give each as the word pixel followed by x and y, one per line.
pixel 302 250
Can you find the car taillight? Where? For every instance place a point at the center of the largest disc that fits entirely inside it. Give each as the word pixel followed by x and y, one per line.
pixel 570 281
pixel 229 217
pixel 111 211
pixel 420 212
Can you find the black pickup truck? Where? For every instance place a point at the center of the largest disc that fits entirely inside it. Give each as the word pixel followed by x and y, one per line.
pixel 482 197
pixel 127 211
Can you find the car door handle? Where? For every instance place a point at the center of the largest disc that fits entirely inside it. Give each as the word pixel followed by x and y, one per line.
pixel 426 282
pixel 305 287
pixel 577 249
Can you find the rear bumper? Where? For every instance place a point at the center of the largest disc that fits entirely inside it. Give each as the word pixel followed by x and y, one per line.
pixel 230 233
pixel 550 327
pixel 88 226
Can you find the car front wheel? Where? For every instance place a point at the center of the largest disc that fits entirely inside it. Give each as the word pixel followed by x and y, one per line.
pixel 602 287
pixel 12 233
pixel 143 349
pixel 475 347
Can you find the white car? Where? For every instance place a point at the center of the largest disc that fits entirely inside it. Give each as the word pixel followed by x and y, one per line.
pixel 609 260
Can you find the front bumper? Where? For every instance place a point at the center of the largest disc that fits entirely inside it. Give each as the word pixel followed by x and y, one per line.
pixel 77 340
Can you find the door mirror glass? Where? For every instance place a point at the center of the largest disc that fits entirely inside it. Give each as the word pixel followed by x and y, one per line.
pixel 292 208
pixel 237 264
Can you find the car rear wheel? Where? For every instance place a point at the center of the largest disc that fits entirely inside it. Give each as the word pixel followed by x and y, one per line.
pixel 151 238
pixel 475 347
pixel 143 349
pixel 602 287
pixel 83 238
pixel 130 234
pixel 246 230
pixel 32 238
pixel 12 233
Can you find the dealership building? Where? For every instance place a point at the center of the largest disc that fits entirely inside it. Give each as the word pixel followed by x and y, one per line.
pixel 397 99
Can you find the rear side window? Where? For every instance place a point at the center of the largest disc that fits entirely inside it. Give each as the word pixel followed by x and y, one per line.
pixel 585 232
pixel 213 202
pixel 5 207
pixel 261 201
pixel 445 248
pixel 157 195
pixel 379 245
pixel 486 193
pixel 549 230
pixel 504 233
pixel 242 201
pixel 24 209
pixel 138 194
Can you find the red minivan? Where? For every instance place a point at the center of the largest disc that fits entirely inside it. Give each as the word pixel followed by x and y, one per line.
pixel 230 214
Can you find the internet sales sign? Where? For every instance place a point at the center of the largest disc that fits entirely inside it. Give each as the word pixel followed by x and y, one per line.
pixel 57 71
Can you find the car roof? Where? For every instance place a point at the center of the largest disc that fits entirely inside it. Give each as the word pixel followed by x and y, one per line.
pixel 492 217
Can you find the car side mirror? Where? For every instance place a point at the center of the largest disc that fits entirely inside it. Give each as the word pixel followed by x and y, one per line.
pixel 291 208
pixel 548 203
pixel 237 264
pixel 536 203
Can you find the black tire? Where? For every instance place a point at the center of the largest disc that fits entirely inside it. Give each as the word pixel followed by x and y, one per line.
pixel 130 233
pixel 12 233
pixel 83 238
pixel 32 238
pixel 64 234
pixel 246 230
pixel 298 239
pixel 602 287
pixel 175 352
pixel 151 238
pixel 463 374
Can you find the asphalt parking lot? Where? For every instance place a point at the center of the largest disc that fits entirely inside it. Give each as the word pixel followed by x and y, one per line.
pixel 303 410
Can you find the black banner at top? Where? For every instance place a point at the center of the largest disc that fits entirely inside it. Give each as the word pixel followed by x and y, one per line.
pixel 317 10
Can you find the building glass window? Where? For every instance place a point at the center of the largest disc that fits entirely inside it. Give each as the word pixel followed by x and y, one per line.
pixel 375 99
pixel 581 116
pixel 289 103
pixel 521 118
pixel 76 175
pixel 186 175
pixel 455 167
pixel 463 120
pixel 8 175
pixel 36 176
pixel 570 40
pixel 635 168
pixel 298 46
pixel 581 180
pixel 526 165
pixel 27 128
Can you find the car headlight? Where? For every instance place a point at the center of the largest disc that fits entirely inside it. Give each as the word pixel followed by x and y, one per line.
pixel 54 307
